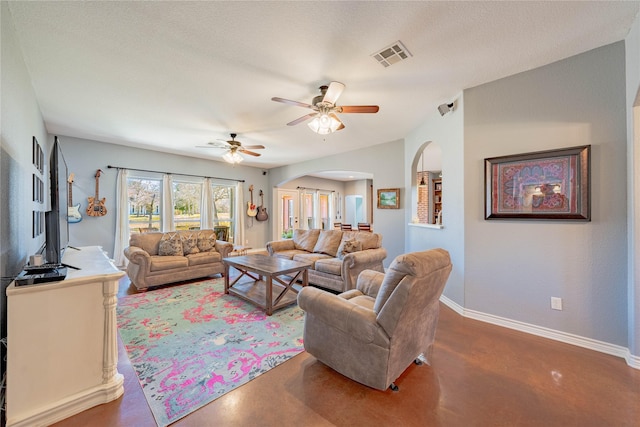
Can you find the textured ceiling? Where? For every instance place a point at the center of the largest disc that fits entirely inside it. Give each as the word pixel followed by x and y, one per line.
pixel 172 75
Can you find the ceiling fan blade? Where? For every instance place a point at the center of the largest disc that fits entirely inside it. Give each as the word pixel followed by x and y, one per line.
pixel 254 147
pixel 290 102
pixel 301 119
pixel 213 145
pixel 333 92
pixel 359 109
pixel 251 153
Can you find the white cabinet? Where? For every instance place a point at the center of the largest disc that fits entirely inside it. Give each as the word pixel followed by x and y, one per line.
pixel 62 350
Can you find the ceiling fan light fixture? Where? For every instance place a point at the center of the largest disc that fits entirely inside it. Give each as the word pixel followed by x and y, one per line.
pixel 324 124
pixel 232 157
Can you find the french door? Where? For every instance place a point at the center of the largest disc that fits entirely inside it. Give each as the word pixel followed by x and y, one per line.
pixel 288 211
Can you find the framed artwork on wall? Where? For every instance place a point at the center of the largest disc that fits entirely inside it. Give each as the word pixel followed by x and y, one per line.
pixel 553 184
pixel 389 198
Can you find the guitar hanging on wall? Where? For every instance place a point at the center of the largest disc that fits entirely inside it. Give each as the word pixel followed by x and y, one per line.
pixel 251 208
pixel 96 205
pixel 73 212
pixel 262 211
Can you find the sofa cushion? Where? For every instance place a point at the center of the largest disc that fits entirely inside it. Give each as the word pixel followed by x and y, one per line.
pixel 310 258
pixel 149 242
pixel 289 254
pixel 329 265
pixel 305 239
pixel 206 241
pixel 170 245
pixel 328 242
pixel 204 258
pixel 168 262
pixel 347 247
pixel 189 243
pixel 369 240
pixel 363 301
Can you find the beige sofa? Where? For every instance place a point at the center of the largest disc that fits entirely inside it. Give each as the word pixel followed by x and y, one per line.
pixel 192 254
pixel 336 257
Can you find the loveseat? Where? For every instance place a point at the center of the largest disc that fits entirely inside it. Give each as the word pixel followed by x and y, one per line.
pixel 337 257
pixel 158 258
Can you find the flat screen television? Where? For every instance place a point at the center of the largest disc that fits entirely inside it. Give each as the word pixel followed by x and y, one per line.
pixel 56 224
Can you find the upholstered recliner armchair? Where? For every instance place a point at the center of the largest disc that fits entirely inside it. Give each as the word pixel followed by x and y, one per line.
pixel 371 334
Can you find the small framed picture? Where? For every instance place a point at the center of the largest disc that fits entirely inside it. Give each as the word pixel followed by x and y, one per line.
pixel 389 198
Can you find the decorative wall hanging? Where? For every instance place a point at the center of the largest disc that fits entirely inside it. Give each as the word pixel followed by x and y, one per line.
pixel 553 184
pixel 389 198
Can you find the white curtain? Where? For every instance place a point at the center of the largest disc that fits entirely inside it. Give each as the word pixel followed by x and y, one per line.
pixel 206 206
pixel 238 232
pixel 306 214
pixel 167 203
pixel 122 219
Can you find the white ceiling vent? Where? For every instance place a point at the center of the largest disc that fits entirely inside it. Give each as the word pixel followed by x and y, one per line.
pixel 391 54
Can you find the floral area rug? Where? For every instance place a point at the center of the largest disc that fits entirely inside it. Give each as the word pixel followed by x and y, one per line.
pixel 190 344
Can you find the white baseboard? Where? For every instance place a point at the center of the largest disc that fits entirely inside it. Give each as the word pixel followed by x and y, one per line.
pixel 72 405
pixel 591 344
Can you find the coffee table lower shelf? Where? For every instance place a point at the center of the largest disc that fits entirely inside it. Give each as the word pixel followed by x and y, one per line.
pixel 255 292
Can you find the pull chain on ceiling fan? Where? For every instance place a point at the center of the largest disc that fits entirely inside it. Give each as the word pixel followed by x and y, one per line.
pixel 325 118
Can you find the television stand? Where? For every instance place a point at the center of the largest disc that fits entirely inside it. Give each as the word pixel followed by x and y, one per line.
pixel 51 324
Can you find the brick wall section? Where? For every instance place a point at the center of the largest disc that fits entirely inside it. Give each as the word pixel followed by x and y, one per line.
pixel 423 199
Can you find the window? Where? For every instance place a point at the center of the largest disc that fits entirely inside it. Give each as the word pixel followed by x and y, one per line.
pixel 308 205
pixel 186 205
pixel 144 204
pixel 324 209
pixel 146 212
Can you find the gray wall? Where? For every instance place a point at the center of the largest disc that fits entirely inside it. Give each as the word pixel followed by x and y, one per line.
pixel 512 268
pixel 385 162
pixel 84 157
pixel 632 56
pixel 446 131
pixel 20 120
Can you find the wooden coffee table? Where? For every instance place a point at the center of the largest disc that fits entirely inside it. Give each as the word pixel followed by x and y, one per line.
pixel 267 289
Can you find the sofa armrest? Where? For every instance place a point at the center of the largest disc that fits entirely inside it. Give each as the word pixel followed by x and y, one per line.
pixel 339 313
pixel 356 262
pixel 138 256
pixel 369 282
pixel 280 245
pixel 224 248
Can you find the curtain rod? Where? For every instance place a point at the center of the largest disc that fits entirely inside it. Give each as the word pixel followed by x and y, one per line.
pixel 183 174
pixel 317 189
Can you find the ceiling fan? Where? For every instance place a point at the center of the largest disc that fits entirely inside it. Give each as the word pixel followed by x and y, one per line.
pixel 234 148
pixel 325 110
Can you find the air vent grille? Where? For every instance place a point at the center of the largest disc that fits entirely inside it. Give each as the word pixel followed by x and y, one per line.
pixel 391 54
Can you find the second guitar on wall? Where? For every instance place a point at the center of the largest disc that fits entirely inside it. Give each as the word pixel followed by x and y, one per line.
pixel 96 205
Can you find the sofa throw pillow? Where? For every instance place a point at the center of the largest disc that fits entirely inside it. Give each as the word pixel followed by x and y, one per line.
pixel 328 242
pixel 348 247
pixel 190 243
pixel 206 241
pixel 305 239
pixel 369 240
pixel 170 245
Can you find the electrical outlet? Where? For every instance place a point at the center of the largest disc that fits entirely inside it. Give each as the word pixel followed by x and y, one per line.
pixel 556 303
pixel 246 242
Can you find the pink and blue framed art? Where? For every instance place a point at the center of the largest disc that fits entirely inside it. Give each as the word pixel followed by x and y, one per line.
pixel 553 184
